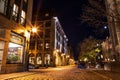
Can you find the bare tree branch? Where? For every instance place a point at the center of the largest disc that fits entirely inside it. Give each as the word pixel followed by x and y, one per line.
pixel 94 13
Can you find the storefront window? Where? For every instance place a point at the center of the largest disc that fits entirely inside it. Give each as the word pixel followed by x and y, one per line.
pixel 39 60
pixel 15 53
pixel 15 49
pixel 31 59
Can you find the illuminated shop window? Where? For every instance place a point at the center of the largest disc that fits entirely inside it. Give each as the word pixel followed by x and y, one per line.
pixel 23 17
pixel 39 58
pixel 15 48
pixel 15 53
pixel 31 60
pixel 15 12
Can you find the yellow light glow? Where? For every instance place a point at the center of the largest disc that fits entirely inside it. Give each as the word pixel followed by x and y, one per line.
pixel 57 50
pixel 67 56
pixel 62 54
pixel 34 29
pixel 27 34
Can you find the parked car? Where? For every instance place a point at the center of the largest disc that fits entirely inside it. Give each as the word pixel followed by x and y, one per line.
pixel 82 65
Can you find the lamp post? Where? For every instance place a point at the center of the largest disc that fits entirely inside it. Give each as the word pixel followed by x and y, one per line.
pixel 34 30
pixel 32 33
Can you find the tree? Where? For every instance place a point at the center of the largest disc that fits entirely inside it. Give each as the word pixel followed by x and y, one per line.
pixel 94 13
pixel 87 49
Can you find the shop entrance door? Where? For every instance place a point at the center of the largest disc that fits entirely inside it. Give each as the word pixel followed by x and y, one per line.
pixel 1 52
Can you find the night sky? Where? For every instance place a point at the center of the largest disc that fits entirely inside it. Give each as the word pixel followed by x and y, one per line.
pixel 68 12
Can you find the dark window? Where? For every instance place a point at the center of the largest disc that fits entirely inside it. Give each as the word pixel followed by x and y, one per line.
pixel 47 33
pixel 32 44
pixel 48 24
pixel 5 8
pixel 41 34
pixel 24 7
pixel 25 1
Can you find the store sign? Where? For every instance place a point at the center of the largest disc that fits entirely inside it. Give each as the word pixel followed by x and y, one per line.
pixel 17 39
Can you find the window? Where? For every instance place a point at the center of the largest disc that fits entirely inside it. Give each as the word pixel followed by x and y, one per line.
pixel 47 45
pixel 31 58
pixel 23 17
pixel 47 33
pixel 15 53
pixel 3 6
pixel 48 24
pixel 15 12
pixel 32 44
pixel 39 58
pixel 40 45
pixel 25 1
pixel 41 34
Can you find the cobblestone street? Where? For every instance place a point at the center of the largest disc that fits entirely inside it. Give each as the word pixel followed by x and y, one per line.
pixel 59 73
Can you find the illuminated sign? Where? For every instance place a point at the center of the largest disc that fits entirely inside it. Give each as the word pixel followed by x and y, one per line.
pixel 17 38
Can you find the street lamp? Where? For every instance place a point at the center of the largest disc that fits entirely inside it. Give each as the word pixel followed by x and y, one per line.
pixel 34 51
pixel 34 29
pixel 27 34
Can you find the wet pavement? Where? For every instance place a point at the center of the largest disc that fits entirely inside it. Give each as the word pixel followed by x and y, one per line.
pixel 62 73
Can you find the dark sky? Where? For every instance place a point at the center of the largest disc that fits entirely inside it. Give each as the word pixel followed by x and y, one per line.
pixel 68 12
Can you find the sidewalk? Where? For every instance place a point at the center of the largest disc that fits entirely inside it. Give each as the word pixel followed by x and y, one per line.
pixel 11 75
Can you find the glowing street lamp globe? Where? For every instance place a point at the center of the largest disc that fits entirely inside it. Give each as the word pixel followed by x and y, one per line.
pixel 34 29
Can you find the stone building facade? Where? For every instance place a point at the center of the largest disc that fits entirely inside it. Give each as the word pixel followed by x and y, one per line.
pixel 15 26
pixel 49 45
pixel 113 10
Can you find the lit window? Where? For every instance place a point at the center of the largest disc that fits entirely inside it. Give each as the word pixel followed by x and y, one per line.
pixel 15 12
pixel 23 16
pixel 47 14
pixel 47 45
pixel 15 52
